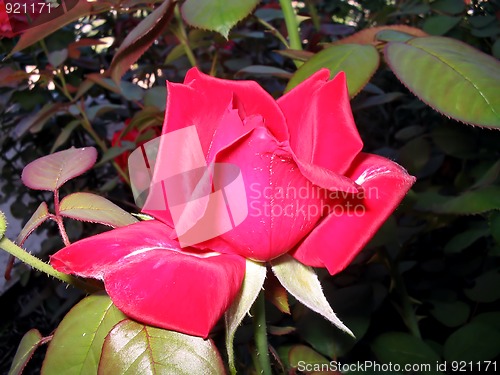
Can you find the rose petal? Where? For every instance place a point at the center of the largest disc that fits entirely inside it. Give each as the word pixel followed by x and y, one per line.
pixel 249 98
pixel 175 291
pixel 342 235
pixel 320 122
pixel 188 106
pixel 282 204
pixel 150 279
pixel 91 257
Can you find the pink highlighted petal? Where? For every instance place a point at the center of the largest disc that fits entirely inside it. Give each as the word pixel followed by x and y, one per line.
pixel 343 234
pixel 322 129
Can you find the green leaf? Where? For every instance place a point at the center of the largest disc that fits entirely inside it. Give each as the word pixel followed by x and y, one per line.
pixel 156 97
pixel 295 54
pixel 302 282
pixel 455 141
pixel 463 240
pixel 133 348
pixel 52 171
pixel 65 134
pixel 128 90
pixel 440 25
pixel 452 77
pixel 39 216
pixel 29 343
pixel 216 15
pixel 403 348
pixel 95 209
pixel 36 120
pixel 140 39
pixel 115 151
pixel 359 62
pixel 472 202
pixel 78 341
pixel 56 58
pixel 259 70
pixel 415 154
pixel 255 275
pixel 449 6
pixel 389 35
pixel 100 109
pixel 476 341
pixel 485 288
pixel 35 34
pixel 451 314
pixel 304 354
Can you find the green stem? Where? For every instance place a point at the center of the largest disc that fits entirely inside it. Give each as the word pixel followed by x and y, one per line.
pixel 274 31
pixel 183 38
pixel 260 334
pixel 41 266
pixel 292 26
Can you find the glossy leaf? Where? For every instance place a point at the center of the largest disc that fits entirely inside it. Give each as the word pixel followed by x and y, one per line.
pixel 95 209
pixel 485 288
pixel 156 97
pixel 449 6
pixel 216 15
pixel 39 216
pixel 255 275
pixel 440 25
pixel 258 70
pixel 77 343
pixel 302 283
pixel 476 341
pixel 451 314
pixel 29 343
pixel 56 58
pixel 368 36
pixel 403 348
pixel 393 36
pixel 304 354
pixel 52 171
pixel 464 239
pixel 35 34
pixel 133 348
pixel 140 39
pixel 471 202
pixel 452 77
pixel 359 62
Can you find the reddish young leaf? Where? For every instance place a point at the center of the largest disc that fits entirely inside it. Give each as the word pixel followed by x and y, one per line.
pixel 29 343
pixel 37 33
pixel 140 39
pixel 52 171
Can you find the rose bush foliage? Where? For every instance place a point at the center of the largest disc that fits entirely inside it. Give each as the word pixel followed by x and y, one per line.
pixel 304 142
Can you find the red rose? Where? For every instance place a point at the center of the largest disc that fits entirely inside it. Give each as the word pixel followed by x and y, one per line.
pixel 309 192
